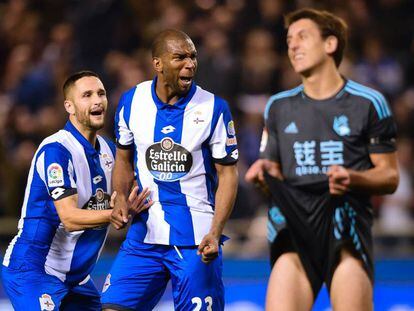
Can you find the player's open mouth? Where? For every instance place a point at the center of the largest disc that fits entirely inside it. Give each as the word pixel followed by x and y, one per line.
pixel 186 80
pixel 97 112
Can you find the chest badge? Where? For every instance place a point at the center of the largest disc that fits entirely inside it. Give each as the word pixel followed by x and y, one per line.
pixel 198 117
pixel 341 126
pixel 107 161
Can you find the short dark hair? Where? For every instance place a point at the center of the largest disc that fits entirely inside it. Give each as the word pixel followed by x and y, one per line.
pixel 70 81
pixel 328 24
pixel 159 44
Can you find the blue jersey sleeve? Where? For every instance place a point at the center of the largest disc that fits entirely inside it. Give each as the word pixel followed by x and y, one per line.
pixel 124 136
pixel 223 142
pixel 54 166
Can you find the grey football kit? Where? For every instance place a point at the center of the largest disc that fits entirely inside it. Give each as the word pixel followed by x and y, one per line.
pixel 306 137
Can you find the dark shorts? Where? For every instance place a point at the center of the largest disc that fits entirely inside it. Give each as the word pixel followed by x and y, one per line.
pixel 317 227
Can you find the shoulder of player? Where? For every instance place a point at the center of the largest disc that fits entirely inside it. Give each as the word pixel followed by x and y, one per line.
pixel 205 96
pixel 370 97
pixel 54 144
pixel 145 85
pixel 280 98
pixel 128 95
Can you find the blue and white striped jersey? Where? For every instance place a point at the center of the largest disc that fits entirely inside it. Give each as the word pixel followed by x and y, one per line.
pixel 64 164
pixel 175 149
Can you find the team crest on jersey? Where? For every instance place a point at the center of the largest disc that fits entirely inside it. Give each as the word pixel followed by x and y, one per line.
pixel 341 126
pixel 230 128
pixel 198 117
pixel 46 303
pixel 55 175
pixel 168 161
pixel 108 162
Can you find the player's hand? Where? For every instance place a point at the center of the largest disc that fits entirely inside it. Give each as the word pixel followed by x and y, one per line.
pixel 139 202
pixel 208 248
pixel 339 180
pixel 119 216
pixel 255 174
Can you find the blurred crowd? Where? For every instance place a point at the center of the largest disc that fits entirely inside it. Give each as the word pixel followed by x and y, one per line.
pixel 241 56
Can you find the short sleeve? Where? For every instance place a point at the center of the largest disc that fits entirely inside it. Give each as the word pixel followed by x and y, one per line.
pixel 223 141
pixel 381 132
pixel 269 146
pixel 124 136
pixel 55 167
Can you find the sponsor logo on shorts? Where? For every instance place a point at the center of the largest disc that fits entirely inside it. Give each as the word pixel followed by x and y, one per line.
pixel 168 161
pixel 55 175
pixel 46 303
pixel 107 283
pixel 230 128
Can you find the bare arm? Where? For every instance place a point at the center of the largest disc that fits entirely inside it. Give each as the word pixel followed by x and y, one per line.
pixel 225 197
pixel 381 179
pixel 122 181
pixel 74 218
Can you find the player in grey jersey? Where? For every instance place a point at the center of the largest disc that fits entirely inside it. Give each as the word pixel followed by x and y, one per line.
pixel 328 145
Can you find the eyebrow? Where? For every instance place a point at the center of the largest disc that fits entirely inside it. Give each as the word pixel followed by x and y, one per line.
pixel 91 91
pixel 299 33
pixel 194 53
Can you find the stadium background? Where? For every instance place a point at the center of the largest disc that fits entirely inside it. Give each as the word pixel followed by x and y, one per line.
pixel 241 48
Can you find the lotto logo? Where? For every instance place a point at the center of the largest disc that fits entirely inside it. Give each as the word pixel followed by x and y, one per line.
pixel 235 154
pixel 57 193
pixel 168 129
pixel 97 179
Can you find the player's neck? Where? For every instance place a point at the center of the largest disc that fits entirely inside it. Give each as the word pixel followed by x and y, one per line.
pixel 165 93
pixel 89 134
pixel 323 83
